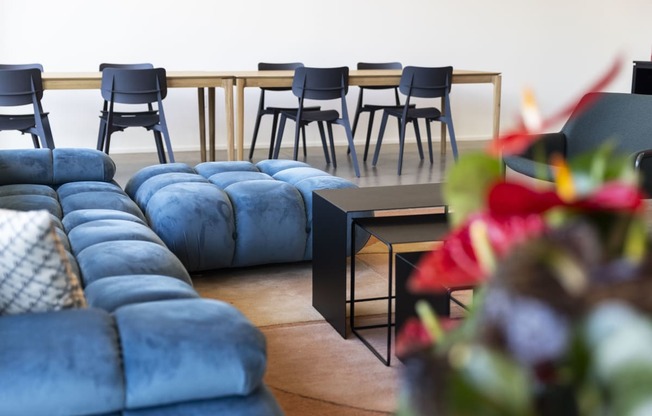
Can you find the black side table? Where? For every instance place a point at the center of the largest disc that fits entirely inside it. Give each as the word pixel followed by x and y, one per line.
pixel 391 231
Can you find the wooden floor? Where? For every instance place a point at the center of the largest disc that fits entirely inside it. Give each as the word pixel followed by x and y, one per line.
pixel 384 173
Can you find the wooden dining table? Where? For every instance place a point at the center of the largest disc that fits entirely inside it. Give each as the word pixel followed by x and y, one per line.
pixel 210 80
pixel 367 77
pixel 201 80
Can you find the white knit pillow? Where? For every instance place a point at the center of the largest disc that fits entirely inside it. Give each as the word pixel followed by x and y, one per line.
pixel 35 273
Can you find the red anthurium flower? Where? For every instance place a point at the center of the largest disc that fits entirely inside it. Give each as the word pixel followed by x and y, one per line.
pixel 508 199
pixel 612 196
pixel 414 336
pixel 455 263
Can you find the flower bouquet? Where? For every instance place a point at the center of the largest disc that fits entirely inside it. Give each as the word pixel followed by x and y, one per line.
pixel 560 322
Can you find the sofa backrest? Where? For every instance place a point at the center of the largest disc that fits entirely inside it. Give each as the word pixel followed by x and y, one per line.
pixel 54 166
pixel 622 117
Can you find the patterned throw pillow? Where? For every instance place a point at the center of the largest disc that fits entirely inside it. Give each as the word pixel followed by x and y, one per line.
pixel 35 273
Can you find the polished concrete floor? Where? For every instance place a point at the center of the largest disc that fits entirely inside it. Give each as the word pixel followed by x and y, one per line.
pixel 384 173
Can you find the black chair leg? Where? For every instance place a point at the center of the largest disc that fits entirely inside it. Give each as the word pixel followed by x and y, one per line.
pixel 279 136
pixel 401 146
pixel 366 143
pixel 255 135
pixel 35 141
pixel 417 134
pixel 323 142
pixel 100 135
pixel 428 131
pixel 379 141
pixel 330 137
pixel 158 140
pixel 271 139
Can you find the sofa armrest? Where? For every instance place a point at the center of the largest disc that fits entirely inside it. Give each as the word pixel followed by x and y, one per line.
pixel 188 349
pixel 60 363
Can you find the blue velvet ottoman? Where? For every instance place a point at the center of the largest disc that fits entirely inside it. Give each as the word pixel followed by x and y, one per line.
pixel 232 214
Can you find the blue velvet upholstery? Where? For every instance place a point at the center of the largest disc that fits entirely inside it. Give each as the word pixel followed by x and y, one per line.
pixel 110 293
pixel 233 214
pixel 147 344
pixel 60 363
pixel 226 356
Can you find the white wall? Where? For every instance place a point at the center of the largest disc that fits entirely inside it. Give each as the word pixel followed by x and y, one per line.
pixel 557 47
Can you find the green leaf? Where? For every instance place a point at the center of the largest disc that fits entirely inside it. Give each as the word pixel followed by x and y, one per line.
pixel 468 182
pixel 487 382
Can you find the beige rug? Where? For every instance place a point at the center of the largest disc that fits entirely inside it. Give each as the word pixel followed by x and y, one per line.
pixel 312 370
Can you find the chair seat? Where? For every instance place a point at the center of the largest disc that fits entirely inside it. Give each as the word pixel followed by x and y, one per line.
pixel 144 119
pixel 17 121
pixel 279 109
pixel 425 112
pixel 308 116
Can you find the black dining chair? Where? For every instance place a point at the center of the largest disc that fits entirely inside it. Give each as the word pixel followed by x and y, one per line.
pixel 105 105
pixel 362 107
pixel 422 83
pixel 136 87
pixel 21 85
pixel 320 84
pixel 274 111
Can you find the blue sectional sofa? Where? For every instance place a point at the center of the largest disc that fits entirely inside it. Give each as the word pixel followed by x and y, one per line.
pixel 232 214
pixel 147 344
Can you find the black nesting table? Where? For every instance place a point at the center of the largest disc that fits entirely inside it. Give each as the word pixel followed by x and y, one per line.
pixel 333 212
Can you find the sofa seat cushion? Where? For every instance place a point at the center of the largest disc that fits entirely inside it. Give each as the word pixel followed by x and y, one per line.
pixel 196 222
pixel 114 258
pixel 94 232
pixel 110 293
pixel 270 222
pixel 60 363
pixel 188 349
pixel 27 201
pixel 82 216
pixel 260 402
pixel 100 200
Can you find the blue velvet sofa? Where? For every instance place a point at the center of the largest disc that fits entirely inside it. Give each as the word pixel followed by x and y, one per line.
pixel 232 214
pixel 147 344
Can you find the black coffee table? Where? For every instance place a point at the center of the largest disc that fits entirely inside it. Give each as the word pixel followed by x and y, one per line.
pixel 333 211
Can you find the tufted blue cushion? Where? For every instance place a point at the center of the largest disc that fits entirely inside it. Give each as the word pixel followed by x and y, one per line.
pixel 27 189
pixel 294 175
pixel 273 166
pixel 224 179
pixel 60 363
pixel 72 188
pixel 31 203
pixel 94 232
pixel 110 293
pixel 188 349
pixel 29 166
pixel 74 164
pixel 155 183
pixel 208 169
pixel 100 200
pixel 81 216
pixel 260 402
pixel 195 220
pixel 112 258
pixel 270 221
pixel 144 174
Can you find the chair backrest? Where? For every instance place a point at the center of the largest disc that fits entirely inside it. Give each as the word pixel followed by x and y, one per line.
pixel 283 66
pixel 105 65
pixel 134 86
pixel 320 83
pixel 19 86
pixel 426 82
pixel 22 66
pixel 379 65
pixel 610 116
